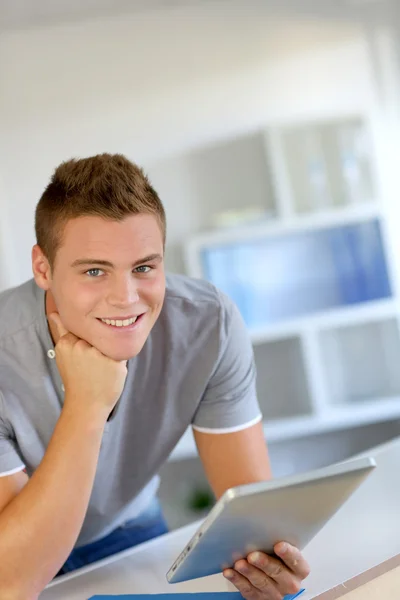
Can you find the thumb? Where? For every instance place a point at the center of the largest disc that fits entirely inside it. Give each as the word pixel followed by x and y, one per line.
pixel 56 320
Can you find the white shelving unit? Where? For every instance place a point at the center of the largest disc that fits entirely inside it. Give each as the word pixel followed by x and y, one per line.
pixel 333 366
pixel 343 418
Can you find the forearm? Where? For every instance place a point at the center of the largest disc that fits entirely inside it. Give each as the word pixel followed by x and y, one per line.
pixel 40 526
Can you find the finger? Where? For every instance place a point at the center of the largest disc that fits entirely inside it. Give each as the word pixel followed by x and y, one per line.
pixel 293 558
pixel 56 320
pixel 259 580
pixel 242 584
pixel 274 569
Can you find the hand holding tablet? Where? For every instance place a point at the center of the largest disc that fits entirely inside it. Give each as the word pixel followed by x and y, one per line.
pixel 257 516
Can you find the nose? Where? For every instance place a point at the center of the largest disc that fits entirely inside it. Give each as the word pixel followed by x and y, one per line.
pixel 123 292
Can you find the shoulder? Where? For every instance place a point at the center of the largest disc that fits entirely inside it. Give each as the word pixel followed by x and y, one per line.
pixel 190 290
pixel 196 310
pixel 19 308
pixel 195 297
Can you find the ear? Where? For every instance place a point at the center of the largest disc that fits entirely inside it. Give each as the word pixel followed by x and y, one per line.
pixel 41 268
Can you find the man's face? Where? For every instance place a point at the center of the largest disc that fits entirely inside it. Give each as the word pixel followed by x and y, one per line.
pixel 106 273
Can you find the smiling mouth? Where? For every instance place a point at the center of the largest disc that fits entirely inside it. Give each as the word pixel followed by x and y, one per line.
pixel 121 323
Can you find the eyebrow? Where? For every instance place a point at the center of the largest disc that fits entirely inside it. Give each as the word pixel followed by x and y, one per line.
pixel 106 263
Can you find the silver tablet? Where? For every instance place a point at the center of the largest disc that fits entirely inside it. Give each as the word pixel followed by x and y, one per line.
pixel 258 515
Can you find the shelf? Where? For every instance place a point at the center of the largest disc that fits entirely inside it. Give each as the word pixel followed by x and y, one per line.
pixel 361 361
pixel 281 395
pixel 339 418
pixel 273 280
pixel 224 173
pixel 279 227
pixel 216 183
pixel 328 163
pixel 313 283
pixel 339 317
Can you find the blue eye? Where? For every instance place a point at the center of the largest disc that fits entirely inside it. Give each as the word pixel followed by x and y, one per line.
pixel 94 272
pixel 143 269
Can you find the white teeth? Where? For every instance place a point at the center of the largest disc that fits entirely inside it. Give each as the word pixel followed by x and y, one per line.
pixel 124 323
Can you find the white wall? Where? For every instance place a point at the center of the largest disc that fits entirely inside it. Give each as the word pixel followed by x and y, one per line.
pixel 8 267
pixel 153 87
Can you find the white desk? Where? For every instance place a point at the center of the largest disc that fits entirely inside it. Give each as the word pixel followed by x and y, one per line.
pixel 365 532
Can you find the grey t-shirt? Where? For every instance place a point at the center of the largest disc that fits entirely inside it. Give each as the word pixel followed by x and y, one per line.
pixel 196 368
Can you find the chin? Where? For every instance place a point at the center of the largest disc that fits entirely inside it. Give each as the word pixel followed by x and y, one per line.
pixel 121 357
pixel 119 354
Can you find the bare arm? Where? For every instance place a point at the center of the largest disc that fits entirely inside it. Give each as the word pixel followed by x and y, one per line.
pixel 10 486
pixel 40 525
pixel 38 528
pixel 231 459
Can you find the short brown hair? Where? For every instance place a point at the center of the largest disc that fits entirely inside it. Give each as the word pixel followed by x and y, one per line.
pixel 106 185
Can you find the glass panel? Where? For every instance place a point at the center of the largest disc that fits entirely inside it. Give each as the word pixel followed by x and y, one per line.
pixel 278 278
pixel 329 164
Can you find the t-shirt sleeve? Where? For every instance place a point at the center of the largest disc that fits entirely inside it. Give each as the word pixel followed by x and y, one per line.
pixel 230 401
pixel 10 461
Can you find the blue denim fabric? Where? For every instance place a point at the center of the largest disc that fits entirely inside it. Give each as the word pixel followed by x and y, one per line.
pixel 149 524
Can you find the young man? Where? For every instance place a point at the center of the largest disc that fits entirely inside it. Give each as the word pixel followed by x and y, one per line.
pixel 104 363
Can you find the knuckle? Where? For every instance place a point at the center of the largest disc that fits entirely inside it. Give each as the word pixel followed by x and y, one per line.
pixel 276 570
pixel 61 344
pixel 264 583
pixel 246 589
pixel 81 345
pixel 66 340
